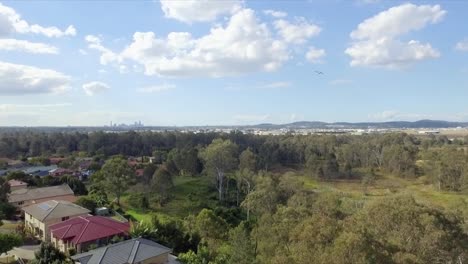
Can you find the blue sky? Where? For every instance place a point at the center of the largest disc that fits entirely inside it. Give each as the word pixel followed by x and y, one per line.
pixel 209 62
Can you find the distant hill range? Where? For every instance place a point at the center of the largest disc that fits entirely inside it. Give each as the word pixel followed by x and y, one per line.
pixel 421 124
pixel 365 125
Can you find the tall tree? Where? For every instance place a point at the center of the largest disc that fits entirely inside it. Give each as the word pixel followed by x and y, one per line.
pixel 248 160
pixel 9 241
pixel 4 190
pixel 117 176
pixel 162 182
pixel 242 247
pixel 48 254
pixel 220 158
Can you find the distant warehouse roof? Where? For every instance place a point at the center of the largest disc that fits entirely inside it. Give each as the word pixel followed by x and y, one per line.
pixel 39 193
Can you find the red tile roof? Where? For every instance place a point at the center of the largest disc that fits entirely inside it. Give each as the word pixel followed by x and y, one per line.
pixel 139 172
pixel 88 228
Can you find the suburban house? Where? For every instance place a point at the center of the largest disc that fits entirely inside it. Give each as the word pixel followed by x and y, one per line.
pixel 38 217
pixel 81 232
pixel 25 197
pixel 139 172
pixel 39 170
pixel 132 251
pixel 56 160
pixel 17 185
pixel 60 172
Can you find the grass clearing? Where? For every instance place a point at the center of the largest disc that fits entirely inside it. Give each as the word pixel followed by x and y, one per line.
pixel 189 196
pixel 387 185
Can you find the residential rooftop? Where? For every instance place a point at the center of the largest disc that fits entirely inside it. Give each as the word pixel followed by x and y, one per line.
pixel 88 228
pixel 54 209
pixel 127 252
pixel 16 183
pixel 39 193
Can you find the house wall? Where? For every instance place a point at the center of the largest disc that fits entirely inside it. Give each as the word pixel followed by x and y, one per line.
pixel 18 187
pixel 35 226
pixel 83 247
pixel 60 244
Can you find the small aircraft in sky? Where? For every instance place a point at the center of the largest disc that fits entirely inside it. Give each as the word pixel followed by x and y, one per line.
pixel 319 72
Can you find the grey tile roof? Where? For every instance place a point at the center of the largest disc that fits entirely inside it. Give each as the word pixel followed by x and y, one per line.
pixel 29 170
pixel 126 252
pixel 39 193
pixel 54 209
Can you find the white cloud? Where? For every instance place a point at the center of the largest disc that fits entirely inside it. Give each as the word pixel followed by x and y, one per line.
pixel 275 85
pixel 93 88
pixel 198 10
pixel 107 56
pixel 83 52
pixel 156 88
pixel 11 22
pixel 341 82
pixel 20 79
pixel 315 55
pixel 376 40
pixel 274 13
pixel 26 46
pixel 243 45
pixel 297 33
pixel 462 45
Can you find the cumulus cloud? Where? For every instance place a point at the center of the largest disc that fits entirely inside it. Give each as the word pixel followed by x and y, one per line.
pixel 298 32
pixel 93 88
pixel 315 55
pixel 26 46
pixel 11 22
pixel 274 13
pixel 376 41
pixel 157 88
pixel 462 45
pixel 189 11
pixel 20 79
pixel 243 45
pixel 107 56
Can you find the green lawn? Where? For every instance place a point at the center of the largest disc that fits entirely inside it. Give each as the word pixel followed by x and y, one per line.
pixel 7 228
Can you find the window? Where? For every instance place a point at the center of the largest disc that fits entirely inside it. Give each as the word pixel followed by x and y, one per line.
pixel 21 203
pixel 65 218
